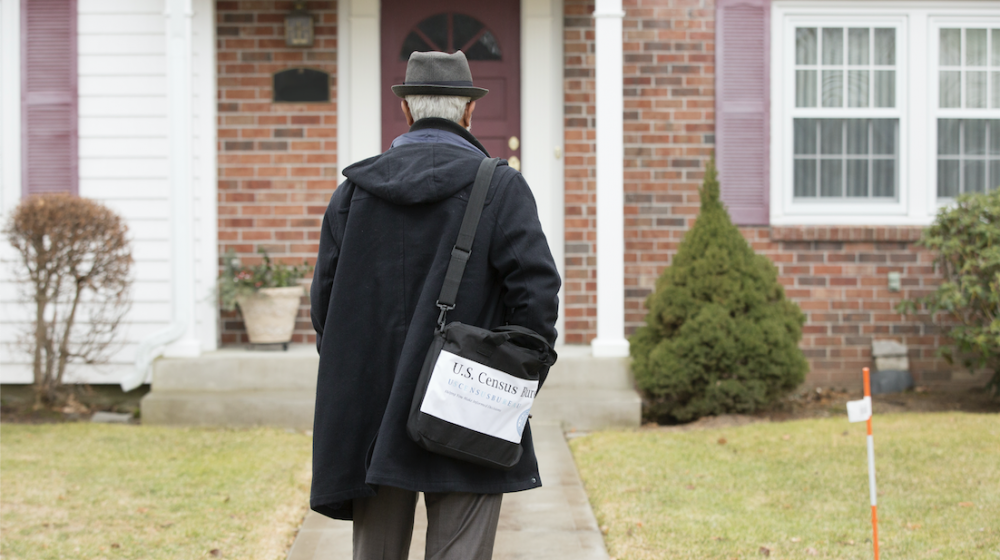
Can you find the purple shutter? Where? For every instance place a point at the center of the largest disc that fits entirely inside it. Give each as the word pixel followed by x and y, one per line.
pixel 742 107
pixel 48 96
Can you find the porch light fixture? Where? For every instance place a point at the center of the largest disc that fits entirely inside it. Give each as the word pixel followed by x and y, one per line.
pixel 299 27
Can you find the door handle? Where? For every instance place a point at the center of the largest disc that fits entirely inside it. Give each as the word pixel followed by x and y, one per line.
pixel 515 163
pixel 513 143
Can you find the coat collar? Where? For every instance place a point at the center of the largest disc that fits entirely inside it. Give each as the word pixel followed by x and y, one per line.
pixel 448 126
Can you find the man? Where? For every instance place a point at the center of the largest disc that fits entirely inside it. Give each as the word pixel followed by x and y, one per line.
pixel 387 237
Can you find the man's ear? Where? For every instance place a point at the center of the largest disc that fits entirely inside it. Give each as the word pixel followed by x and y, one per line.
pixel 467 116
pixel 406 112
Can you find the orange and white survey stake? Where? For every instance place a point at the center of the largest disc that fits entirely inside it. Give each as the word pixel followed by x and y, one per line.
pixel 861 411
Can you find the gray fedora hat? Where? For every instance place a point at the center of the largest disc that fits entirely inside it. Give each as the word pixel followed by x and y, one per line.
pixel 438 73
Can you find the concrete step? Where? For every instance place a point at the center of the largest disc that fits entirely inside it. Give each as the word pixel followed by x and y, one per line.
pixel 238 369
pixel 573 409
pixel 588 409
pixel 239 387
pixel 576 368
pixel 283 409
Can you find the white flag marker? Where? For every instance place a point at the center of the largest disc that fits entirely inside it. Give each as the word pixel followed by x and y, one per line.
pixel 861 411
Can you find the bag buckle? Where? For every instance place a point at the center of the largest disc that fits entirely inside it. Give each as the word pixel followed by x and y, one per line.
pixel 460 254
pixel 445 308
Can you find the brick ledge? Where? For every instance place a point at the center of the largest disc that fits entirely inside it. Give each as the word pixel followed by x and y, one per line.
pixel 846 233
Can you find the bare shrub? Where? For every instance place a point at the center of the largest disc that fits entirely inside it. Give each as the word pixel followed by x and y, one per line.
pixel 75 259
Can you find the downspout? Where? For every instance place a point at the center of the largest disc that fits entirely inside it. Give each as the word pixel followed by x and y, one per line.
pixel 178 15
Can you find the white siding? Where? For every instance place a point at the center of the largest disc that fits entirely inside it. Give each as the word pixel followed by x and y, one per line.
pixel 10 177
pixel 124 41
pixel 124 164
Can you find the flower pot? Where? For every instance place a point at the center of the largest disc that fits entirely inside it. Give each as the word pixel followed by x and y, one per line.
pixel 269 314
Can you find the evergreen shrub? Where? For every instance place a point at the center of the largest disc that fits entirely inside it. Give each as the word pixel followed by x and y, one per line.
pixel 720 337
pixel 966 239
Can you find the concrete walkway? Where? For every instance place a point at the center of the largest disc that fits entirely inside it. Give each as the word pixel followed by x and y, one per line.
pixel 553 522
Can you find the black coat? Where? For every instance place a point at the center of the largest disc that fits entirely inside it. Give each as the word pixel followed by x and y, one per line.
pixel 386 240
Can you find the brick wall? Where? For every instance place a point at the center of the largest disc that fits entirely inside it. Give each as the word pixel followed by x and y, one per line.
pixel 580 283
pixel 669 80
pixel 837 275
pixel 277 172
pixel 669 74
pixel 277 161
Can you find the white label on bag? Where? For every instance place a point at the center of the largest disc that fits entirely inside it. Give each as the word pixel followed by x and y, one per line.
pixel 487 400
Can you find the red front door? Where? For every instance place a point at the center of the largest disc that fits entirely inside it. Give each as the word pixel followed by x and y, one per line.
pixel 488 33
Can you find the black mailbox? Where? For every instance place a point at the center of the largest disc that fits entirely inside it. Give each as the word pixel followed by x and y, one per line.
pixel 301 85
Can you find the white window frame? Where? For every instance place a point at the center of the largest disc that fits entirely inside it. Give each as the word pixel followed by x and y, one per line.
pixel 916 199
pixel 937 23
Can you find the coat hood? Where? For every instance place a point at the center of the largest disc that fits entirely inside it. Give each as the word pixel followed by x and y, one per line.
pixel 416 173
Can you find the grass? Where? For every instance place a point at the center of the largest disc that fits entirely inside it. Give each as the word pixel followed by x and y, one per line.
pixel 798 489
pixel 95 491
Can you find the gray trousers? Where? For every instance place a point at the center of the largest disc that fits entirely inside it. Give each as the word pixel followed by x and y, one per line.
pixel 459 526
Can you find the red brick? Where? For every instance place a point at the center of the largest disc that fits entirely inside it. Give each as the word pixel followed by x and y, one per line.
pixel 255 210
pixel 248 53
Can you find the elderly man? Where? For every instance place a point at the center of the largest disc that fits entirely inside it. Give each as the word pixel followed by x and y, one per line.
pixel 387 237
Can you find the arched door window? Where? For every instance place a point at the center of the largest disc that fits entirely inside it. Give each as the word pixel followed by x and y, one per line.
pixel 451 32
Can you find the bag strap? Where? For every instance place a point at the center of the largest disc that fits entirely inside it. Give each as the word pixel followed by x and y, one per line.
pixel 466 234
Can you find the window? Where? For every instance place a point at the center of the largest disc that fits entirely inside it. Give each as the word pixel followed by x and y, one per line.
pixel 866 58
pixel 450 33
pixel 964 79
pixel 845 71
pixel 968 156
pixel 846 158
pixel 968 92
pixel 881 112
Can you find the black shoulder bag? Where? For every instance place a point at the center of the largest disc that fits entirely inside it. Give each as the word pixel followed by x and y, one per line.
pixel 476 387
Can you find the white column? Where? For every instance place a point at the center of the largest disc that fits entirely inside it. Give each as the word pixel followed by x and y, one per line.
pixel 542 120
pixel 204 136
pixel 181 117
pixel 610 339
pixel 359 82
pixel 178 338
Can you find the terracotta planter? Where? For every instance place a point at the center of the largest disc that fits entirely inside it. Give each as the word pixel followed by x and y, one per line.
pixel 269 314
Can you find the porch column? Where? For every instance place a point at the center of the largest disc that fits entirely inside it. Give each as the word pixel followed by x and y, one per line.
pixel 359 82
pixel 610 339
pixel 178 338
pixel 181 114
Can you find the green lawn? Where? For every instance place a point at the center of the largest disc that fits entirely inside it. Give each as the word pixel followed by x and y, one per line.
pixel 97 491
pixel 798 489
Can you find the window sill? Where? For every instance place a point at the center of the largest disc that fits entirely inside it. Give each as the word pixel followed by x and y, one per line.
pixel 863 217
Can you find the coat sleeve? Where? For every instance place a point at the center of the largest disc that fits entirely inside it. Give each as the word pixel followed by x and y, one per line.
pixel 326 268
pixel 521 255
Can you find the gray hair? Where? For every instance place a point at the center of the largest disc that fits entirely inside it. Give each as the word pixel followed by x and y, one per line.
pixel 449 107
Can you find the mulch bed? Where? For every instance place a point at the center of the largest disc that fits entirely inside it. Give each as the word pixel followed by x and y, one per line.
pixel 824 402
pixel 17 404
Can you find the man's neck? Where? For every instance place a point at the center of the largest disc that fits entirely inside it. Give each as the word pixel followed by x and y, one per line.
pixel 448 126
